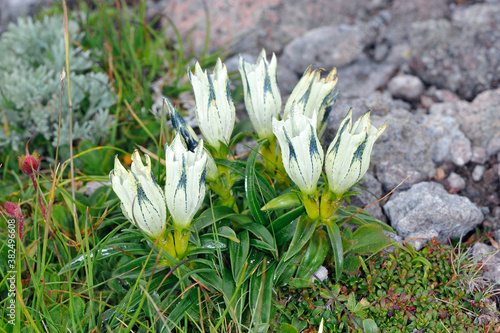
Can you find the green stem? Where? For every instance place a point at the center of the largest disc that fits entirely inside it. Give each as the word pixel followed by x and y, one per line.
pixel 329 204
pixel 223 187
pixel 268 152
pixel 280 169
pixel 167 244
pixel 181 242
pixel 311 204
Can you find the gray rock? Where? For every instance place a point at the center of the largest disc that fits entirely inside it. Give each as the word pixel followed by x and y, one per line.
pixel 448 142
pixel 374 192
pixel 480 122
pixel 455 55
pixel 419 238
pixel 407 87
pixel 381 104
pixel 418 10
pixel 478 172
pixel 456 182
pixel 92 186
pixel 403 13
pixel 490 259
pixel 428 206
pixel 12 9
pixel 363 77
pixel 448 108
pixel 478 16
pixel 479 155
pixel 442 95
pixel 403 149
pixel 461 151
pixel 287 79
pixel 326 47
pixel 394 237
pixel 392 174
pixel 232 62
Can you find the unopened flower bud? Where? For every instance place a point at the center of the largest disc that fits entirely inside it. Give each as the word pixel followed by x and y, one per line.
pixel 29 163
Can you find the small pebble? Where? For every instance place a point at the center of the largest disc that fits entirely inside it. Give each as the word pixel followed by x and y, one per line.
pixel 479 155
pixel 321 273
pixel 461 151
pixel 440 174
pixel 456 181
pixel 407 87
pixel 478 172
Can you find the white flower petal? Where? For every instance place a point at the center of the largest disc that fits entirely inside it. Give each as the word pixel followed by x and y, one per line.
pixel 141 198
pixel 215 110
pixel 185 181
pixel 313 93
pixel 261 92
pixel 301 150
pixel 348 156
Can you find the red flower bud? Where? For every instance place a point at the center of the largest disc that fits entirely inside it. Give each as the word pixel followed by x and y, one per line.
pixel 29 163
pixel 11 209
pixel 14 211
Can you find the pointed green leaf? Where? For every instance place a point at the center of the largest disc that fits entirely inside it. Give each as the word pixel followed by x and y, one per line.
pixel 228 233
pixel 361 218
pixel 261 292
pixel 336 242
pixel 238 254
pixel 304 231
pixel 253 192
pixel 315 254
pixel 261 232
pixel 284 201
pixel 368 238
pixel 215 214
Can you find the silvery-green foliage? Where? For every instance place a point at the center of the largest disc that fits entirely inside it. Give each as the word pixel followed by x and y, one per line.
pixel 32 56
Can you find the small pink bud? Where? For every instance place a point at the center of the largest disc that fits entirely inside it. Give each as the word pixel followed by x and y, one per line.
pixel 29 163
pixel 11 209
pixel 14 211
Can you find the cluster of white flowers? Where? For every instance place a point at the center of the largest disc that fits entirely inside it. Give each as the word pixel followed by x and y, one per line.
pixel 188 163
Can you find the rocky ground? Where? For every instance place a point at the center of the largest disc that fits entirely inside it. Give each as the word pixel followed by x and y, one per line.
pixel 431 68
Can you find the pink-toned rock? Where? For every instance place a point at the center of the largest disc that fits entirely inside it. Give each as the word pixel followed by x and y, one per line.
pixel 249 25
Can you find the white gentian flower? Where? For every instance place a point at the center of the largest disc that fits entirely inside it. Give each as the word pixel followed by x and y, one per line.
pixel 214 106
pixel 262 95
pixel 314 93
pixel 301 150
pixel 348 156
pixel 141 198
pixel 190 138
pixel 180 126
pixel 185 181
